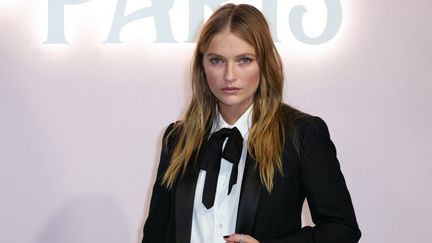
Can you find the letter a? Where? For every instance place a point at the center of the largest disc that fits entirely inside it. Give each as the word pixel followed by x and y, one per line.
pixel 159 10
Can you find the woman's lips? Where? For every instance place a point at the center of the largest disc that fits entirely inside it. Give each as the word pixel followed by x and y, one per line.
pixel 230 90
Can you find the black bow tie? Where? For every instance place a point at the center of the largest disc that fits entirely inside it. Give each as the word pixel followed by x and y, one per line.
pixel 211 160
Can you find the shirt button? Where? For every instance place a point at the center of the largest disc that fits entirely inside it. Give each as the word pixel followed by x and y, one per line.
pixel 220 225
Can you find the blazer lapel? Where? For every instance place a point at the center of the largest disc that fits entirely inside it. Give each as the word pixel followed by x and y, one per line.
pixel 184 198
pixel 249 198
pixel 184 201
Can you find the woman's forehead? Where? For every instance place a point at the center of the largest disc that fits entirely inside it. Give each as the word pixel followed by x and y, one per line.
pixel 227 43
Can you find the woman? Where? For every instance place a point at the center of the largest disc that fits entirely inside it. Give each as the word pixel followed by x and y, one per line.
pixel 240 164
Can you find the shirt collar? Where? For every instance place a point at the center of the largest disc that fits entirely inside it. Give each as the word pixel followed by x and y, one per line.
pixel 243 124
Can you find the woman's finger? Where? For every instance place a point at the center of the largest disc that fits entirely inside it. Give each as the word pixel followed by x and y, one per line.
pixel 240 238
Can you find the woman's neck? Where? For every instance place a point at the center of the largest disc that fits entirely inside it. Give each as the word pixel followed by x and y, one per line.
pixel 231 114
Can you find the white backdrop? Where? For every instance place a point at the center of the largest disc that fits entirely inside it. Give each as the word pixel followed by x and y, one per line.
pixel 81 123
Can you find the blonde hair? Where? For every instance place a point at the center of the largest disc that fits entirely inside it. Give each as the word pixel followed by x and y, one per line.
pixel 267 133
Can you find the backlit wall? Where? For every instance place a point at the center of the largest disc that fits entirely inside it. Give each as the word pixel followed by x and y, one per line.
pixel 87 88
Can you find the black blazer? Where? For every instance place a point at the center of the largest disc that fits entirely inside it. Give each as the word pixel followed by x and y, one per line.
pixel 311 172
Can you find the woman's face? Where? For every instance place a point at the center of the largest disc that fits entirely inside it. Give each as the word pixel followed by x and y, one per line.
pixel 232 71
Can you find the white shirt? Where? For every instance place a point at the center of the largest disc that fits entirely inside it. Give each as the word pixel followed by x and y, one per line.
pixel 210 225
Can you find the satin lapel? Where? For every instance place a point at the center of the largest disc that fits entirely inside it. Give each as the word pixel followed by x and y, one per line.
pixel 184 198
pixel 184 201
pixel 249 198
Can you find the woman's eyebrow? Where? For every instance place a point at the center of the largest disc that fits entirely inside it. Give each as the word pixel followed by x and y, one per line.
pixel 240 55
pixel 213 54
pixel 246 54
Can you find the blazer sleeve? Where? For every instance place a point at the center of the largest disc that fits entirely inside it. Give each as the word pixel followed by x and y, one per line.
pixel 326 191
pixel 157 221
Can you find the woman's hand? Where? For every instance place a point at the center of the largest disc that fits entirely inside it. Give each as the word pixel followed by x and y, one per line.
pixel 240 238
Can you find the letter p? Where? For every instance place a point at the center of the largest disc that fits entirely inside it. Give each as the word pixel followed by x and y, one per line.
pixel 56 20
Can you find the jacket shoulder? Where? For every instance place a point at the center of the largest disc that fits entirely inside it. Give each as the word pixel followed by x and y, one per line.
pixel 298 124
pixel 294 118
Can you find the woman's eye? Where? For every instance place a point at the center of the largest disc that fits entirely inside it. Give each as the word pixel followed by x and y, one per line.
pixel 216 60
pixel 245 60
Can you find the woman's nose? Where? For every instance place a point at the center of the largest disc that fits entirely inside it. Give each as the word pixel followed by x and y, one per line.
pixel 229 74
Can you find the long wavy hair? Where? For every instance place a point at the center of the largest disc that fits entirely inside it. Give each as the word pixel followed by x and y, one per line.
pixel 267 133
